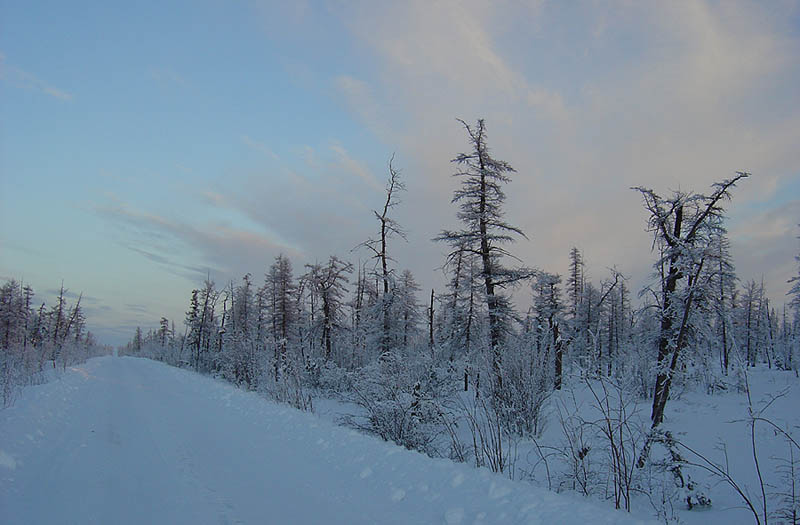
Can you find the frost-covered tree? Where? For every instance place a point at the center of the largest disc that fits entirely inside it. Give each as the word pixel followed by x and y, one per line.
pixel 359 321
pixel 201 325
pixel 575 281
pixel 389 228
pixel 461 314
pixel 164 332
pixel 595 322
pixel 192 338
pixel 407 309
pixel 724 284
pixel 548 307
pixel 750 320
pixel 243 307
pixel 279 289
pixel 30 337
pixel 329 283
pixel 794 293
pixel 485 231
pixel 13 314
pixel 58 317
pixel 682 227
pixel 240 360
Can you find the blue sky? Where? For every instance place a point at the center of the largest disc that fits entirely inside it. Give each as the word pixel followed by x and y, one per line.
pixel 145 145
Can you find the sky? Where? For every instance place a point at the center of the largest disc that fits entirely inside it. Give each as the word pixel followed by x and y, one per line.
pixel 147 145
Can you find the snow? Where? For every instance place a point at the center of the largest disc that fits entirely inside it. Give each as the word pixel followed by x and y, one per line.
pixel 714 425
pixel 125 440
pixel 711 424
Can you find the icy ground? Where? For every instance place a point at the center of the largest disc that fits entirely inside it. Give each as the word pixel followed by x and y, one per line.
pixel 125 440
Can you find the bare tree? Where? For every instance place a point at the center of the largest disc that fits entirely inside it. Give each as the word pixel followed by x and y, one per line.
pixel 378 246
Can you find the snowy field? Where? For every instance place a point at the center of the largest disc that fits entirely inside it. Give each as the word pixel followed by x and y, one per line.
pixel 715 426
pixel 125 440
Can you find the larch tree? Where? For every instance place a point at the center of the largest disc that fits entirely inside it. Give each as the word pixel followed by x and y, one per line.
pixel 575 281
pixel 164 333
pixel 329 283
pixel 279 287
pixel 57 315
pixel 407 311
pixel 794 292
pixel 208 322
pixel 241 355
pixel 682 226
pixel 389 228
pixel 724 279
pixel 547 302
pixel 485 231
pixel 200 323
pixel 750 319
pixel 192 322
pixel 457 311
pixel 11 314
pixel 358 310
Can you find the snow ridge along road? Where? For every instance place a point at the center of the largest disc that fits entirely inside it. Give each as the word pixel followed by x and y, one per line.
pixel 126 440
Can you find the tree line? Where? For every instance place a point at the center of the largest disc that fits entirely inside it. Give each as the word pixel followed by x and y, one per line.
pixel 33 338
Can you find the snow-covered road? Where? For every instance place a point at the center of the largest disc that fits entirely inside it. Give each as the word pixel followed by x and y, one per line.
pixel 124 440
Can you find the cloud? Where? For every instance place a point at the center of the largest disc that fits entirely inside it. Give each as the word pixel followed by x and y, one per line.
pixel 85 299
pixel 192 251
pixel 22 79
pixel 360 99
pixel 584 100
pixel 550 103
pixel 773 223
pixel 584 103
pixel 348 164
pixel 138 308
pixel 258 146
pixel 307 207
pixel 192 273
pixel 55 92
pixel 26 249
pixel 764 245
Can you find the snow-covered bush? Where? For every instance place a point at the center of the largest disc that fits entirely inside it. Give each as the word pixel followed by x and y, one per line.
pixel 329 378
pixel 578 471
pixel 286 383
pixel 400 399
pixel 527 385
pixel 10 378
